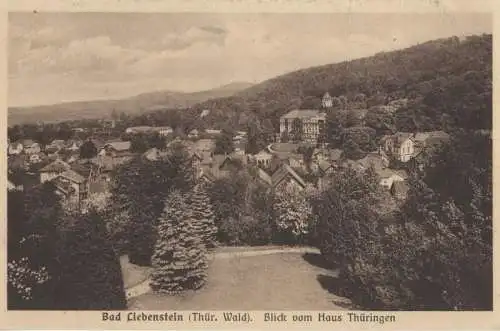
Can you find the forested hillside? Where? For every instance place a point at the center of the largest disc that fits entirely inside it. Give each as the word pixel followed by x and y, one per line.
pixel 447 82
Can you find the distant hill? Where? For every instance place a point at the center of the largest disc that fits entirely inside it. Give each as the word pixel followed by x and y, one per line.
pixel 133 106
pixel 446 80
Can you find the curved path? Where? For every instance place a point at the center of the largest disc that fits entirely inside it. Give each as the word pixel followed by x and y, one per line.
pixel 143 288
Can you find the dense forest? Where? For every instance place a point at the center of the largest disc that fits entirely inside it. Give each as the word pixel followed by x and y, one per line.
pixel 446 81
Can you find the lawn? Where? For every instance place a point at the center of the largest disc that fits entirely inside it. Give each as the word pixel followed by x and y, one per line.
pixel 285 281
pixel 133 274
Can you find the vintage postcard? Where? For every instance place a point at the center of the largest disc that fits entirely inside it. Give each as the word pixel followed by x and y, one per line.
pixel 260 164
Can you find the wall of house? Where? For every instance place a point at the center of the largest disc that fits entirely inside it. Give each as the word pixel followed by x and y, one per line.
pixel 46 176
pixel 406 150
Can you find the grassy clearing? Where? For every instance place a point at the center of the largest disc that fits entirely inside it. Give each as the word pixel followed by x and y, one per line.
pixel 133 274
pixel 267 282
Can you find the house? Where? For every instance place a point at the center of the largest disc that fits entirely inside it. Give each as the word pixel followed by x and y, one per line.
pixel 11 186
pixel 164 130
pixel 31 147
pixel 424 139
pixel 284 176
pixel 399 145
pixel 327 100
pixel 264 178
pixel 53 170
pixel 71 185
pixel 389 177
pixel 311 125
pixel 115 148
pixel 212 131
pixel 138 129
pixel 193 133
pixel 73 145
pixel 329 155
pixel 204 145
pixel 325 167
pixel 263 158
pixel 15 148
pixel 56 144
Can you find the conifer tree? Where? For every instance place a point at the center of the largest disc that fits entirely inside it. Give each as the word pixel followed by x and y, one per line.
pixel 179 259
pixel 203 215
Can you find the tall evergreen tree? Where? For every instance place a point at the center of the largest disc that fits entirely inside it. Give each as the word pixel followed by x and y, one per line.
pixel 179 259
pixel 203 215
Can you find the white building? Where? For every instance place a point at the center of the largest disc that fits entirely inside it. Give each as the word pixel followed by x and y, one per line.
pixel 312 124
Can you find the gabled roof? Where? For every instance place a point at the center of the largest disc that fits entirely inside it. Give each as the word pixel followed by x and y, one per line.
pixel 262 175
pixel 284 171
pixel 324 165
pixel 56 166
pixel 335 154
pixel 263 154
pixel 423 136
pixel 63 186
pixel 57 142
pixel 72 176
pixel 397 138
pixel 119 146
pixel 386 173
pixel 400 187
pixel 28 142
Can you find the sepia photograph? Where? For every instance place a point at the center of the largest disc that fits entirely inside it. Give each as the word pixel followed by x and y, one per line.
pixel 249 161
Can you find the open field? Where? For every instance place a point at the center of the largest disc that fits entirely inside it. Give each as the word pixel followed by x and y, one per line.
pixel 286 281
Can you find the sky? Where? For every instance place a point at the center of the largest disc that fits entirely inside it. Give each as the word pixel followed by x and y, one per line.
pixel 60 57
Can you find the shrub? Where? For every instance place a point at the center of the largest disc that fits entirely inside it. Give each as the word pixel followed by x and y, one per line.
pixel 90 276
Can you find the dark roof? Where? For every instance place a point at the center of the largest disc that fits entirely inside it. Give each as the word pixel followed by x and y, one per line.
pixel 72 176
pixel 400 187
pixel 335 154
pixel 324 165
pixel 284 171
pixel 263 176
pixel 119 146
pixel 63 186
pixel 56 166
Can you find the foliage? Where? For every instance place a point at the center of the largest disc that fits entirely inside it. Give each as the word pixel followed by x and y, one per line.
pixel 140 187
pixel 179 258
pixel 296 134
pixel 441 77
pixel 224 144
pixel 293 214
pixel 33 217
pixel 203 215
pixel 90 275
pixel 307 153
pixel 343 213
pixel 422 257
pixel 88 150
pixel 242 209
